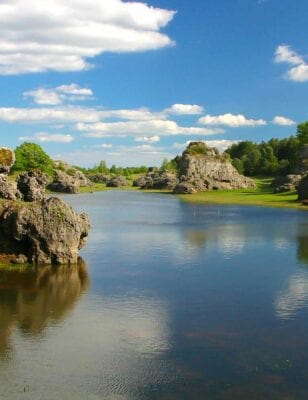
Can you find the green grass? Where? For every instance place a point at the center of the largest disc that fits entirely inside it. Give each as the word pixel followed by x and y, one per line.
pixel 261 196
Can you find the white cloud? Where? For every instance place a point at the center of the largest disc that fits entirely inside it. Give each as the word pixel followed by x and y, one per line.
pixel 36 35
pixel 148 139
pixel 231 120
pixel 137 128
pixel 48 137
pixel 58 95
pixel 283 121
pixel 299 70
pixel 185 109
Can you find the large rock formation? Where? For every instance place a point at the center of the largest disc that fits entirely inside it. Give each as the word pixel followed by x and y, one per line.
pixel 47 232
pixel 32 185
pixel 157 180
pixel 8 189
pixel 117 181
pixel 99 178
pixel 64 183
pixel 203 168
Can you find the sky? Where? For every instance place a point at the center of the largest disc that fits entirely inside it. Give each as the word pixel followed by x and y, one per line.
pixel 133 82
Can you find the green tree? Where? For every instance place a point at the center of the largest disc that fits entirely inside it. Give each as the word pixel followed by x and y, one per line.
pixel 302 132
pixel 30 156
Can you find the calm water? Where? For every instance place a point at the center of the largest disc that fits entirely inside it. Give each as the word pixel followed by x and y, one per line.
pixel 174 301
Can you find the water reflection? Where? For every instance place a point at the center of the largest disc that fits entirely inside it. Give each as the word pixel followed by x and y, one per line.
pixel 30 299
pixel 302 244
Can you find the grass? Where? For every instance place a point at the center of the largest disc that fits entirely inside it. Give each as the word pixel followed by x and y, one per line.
pixel 261 196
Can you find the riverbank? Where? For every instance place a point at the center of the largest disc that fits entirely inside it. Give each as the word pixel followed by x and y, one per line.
pixel 261 196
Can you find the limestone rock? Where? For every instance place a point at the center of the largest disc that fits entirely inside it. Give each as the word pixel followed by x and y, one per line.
pixel 184 188
pixel 7 160
pixel 99 178
pixel 64 183
pixel 47 232
pixel 81 178
pixel 210 171
pixel 32 185
pixel 117 181
pixel 157 180
pixel 8 189
pixel 303 189
pixel 286 183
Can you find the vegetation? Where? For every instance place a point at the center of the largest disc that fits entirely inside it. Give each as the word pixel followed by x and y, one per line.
pixel 102 168
pixel 262 196
pixel 30 156
pixel 197 148
pixel 170 165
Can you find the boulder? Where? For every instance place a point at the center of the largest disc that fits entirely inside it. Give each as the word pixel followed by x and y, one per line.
pixel 184 188
pixel 302 189
pixel 286 183
pixel 157 180
pixel 64 183
pixel 117 181
pixel 208 170
pixel 32 185
pixel 47 232
pixel 8 189
pixel 7 160
pixel 99 178
pixel 81 179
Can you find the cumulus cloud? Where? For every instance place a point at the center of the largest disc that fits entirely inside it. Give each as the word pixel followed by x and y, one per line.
pixel 48 137
pixel 298 70
pixel 185 109
pixel 36 35
pixel 148 139
pixel 283 121
pixel 59 95
pixel 138 128
pixel 231 120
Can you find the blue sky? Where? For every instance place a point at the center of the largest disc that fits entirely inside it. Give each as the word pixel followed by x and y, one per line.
pixel 133 82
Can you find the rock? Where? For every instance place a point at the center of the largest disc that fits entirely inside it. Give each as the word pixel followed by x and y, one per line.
pixel 47 232
pixel 210 171
pixel 157 180
pixel 286 183
pixel 64 183
pixel 117 181
pixel 7 160
pixel 184 188
pixel 302 189
pixel 81 178
pixel 8 189
pixel 32 185
pixel 99 178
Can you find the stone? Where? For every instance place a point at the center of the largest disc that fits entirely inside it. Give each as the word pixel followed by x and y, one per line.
pixel 47 232
pixel 80 177
pixel 7 160
pixel 210 171
pixel 157 180
pixel 184 188
pixel 117 181
pixel 32 185
pixel 99 178
pixel 64 183
pixel 302 189
pixel 8 189
pixel 286 183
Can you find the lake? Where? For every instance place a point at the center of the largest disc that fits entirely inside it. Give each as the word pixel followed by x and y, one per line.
pixel 173 301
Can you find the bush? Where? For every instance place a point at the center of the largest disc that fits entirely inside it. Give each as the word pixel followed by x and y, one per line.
pixel 197 148
pixel 30 156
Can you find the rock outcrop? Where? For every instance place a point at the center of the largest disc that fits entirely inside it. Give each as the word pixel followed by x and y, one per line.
pixel 157 180
pixel 99 178
pixel 117 181
pixel 184 188
pixel 286 183
pixel 64 183
pixel 47 232
pixel 8 189
pixel 203 168
pixel 303 189
pixel 32 185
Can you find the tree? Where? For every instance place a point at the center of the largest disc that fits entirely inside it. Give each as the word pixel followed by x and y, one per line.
pixel 302 132
pixel 30 156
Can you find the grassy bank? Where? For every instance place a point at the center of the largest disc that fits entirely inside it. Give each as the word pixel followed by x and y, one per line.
pixel 261 196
